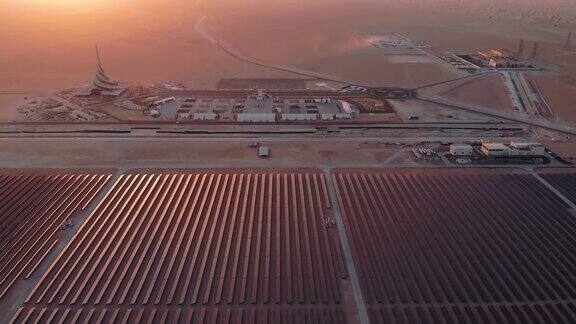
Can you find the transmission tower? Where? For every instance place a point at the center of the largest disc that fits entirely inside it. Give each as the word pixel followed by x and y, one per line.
pixel 534 53
pixel 520 51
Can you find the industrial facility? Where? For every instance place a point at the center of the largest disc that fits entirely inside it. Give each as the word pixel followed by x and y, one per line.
pixel 257 108
pixel 495 58
pixel 502 59
pixel 512 150
pixel 461 150
pixel 487 149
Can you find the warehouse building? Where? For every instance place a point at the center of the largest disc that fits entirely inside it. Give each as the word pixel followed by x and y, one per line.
pixel 342 116
pixel 461 150
pixel 514 149
pixel 299 117
pixel 255 118
pixel 205 116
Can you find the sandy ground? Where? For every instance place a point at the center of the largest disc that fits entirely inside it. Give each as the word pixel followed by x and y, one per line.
pixel 167 50
pixel 136 152
pixel 566 149
pixel 373 69
pixel 484 91
pixel 156 42
pixel 429 112
pixel 561 144
pixel 325 45
pixel 119 113
pixel 560 95
pixel 9 106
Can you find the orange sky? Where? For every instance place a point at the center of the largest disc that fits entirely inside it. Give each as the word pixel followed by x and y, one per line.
pixel 50 43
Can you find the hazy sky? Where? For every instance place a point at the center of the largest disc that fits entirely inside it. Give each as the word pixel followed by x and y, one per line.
pixel 50 43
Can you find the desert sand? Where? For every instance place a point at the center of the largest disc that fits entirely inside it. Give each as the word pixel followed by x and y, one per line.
pixel 9 104
pixel 483 91
pixel 51 48
pixel 560 95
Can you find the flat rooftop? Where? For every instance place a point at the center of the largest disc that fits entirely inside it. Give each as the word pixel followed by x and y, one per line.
pixel 226 108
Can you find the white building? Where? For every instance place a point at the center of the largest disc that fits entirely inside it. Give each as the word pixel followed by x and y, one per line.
pixel 494 149
pixel 512 150
pixel 299 117
pixel 461 150
pixel 205 116
pixel 255 118
pixel 163 101
pixel 183 115
pixel 342 116
pixel 346 108
pixel 528 149
pixel 155 113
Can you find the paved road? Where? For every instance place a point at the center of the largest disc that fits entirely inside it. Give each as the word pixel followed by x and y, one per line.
pixel 429 97
pixel 479 74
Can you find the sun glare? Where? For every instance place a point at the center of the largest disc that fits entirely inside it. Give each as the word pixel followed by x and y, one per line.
pixel 65 3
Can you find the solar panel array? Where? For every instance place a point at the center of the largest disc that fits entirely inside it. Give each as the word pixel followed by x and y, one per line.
pixel 460 246
pixel 564 182
pixel 167 245
pixel 33 206
pixel 213 315
pixel 255 246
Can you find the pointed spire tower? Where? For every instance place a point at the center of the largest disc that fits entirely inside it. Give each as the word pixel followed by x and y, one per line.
pixel 102 81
